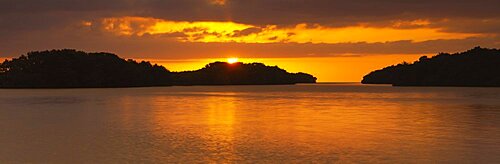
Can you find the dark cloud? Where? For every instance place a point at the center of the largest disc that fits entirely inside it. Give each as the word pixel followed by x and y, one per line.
pixel 248 31
pixel 41 13
pixel 335 11
pixel 267 11
pixel 168 47
pixel 43 24
pixel 43 6
pixel 485 26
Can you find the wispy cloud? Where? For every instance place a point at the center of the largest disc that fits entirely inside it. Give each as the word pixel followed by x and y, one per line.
pixel 210 31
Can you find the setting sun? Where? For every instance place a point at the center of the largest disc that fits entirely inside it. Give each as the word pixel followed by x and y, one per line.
pixel 250 81
pixel 232 60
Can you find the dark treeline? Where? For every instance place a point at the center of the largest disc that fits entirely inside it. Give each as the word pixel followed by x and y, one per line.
pixel 73 69
pixel 77 69
pixel 222 73
pixel 475 67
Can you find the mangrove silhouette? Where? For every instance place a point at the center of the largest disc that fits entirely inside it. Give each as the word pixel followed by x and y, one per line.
pixel 77 69
pixel 476 67
pixel 222 73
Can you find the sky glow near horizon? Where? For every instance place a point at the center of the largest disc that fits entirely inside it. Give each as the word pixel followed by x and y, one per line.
pixel 335 40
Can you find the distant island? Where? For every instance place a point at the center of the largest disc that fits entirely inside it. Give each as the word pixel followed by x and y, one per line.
pixel 77 69
pixel 222 73
pixel 478 67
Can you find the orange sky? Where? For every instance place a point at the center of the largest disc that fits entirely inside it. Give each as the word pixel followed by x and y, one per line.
pixel 326 69
pixel 334 40
pixel 339 68
pixel 226 31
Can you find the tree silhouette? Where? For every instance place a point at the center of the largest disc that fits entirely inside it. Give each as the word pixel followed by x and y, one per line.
pixel 475 67
pixel 76 69
pixel 222 73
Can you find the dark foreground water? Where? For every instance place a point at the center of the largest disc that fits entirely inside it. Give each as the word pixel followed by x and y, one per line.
pixel 253 124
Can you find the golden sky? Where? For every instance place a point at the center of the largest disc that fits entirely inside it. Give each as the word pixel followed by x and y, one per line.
pixel 327 69
pixel 203 31
pixel 335 40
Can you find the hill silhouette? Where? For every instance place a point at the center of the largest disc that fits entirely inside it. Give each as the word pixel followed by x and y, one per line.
pixel 475 67
pixel 77 69
pixel 222 73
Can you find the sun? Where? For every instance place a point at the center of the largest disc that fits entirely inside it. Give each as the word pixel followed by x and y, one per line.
pixel 232 60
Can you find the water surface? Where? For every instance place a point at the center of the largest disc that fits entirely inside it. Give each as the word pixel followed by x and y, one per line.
pixel 297 123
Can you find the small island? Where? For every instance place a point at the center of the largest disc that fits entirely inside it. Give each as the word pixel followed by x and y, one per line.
pixel 478 67
pixel 222 73
pixel 77 69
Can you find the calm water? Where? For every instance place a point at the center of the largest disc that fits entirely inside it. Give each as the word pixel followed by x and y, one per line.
pixel 303 123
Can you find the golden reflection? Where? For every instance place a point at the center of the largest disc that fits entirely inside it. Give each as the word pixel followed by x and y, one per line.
pixel 221 119
pixel 210 31
pixel 214 117
pixel 255 124
pixel 220 122
pixel 221 111
pixel 127 107
pixel 223 125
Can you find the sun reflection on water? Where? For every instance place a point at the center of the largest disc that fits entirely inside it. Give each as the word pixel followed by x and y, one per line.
pixel 217 126
pixel 220 122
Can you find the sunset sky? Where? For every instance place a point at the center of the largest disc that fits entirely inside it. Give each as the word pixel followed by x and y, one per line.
pixel 335 40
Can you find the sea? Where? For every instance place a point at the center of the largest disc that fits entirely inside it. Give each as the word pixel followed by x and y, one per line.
pixel 309 123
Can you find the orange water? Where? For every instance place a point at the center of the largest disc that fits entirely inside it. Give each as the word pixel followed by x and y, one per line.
pixel 347 123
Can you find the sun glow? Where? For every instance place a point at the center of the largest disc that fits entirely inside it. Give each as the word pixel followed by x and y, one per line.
pixel 232 60
pixel 340 69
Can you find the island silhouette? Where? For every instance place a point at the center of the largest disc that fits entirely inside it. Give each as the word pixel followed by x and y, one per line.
pixel 478 67
pixel 68 68
pixel 222 73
